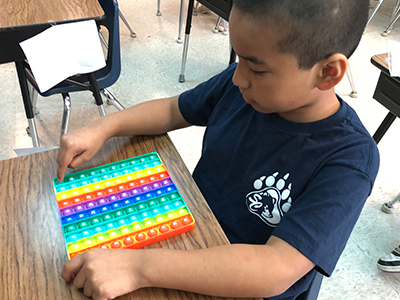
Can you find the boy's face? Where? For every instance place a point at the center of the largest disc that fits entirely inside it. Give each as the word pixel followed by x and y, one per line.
pixel 269 80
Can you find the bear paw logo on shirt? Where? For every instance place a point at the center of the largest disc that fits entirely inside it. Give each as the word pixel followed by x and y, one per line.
pixel 270 200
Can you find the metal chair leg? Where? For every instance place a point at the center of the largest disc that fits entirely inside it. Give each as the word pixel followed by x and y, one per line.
pixel 215 30
pixel 195 8
pixel 394 18
pixel 101 110
pixel 96 93
pixel 388 206
pixel 374 12
pixel 133 34
pixel 179 40
pixel 353 93
pixel 66 113
pixel 111 99
pixel 184 58
pixel 103 40
pixel 158 8
pixel 31 130
pixel 33 96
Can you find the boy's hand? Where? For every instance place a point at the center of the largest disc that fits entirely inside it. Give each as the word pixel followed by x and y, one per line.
pixel 103 273
pixel 77 148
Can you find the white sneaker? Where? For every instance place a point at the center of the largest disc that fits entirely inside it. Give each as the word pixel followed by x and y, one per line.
pixel 390 262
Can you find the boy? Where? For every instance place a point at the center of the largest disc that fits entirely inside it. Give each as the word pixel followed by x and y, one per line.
pixel 286 165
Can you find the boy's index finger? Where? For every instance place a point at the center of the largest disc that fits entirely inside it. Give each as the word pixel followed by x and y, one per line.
pixel 64 158
pixel 62 168
pixel 63 162
pixel 60 173
pixel 72 267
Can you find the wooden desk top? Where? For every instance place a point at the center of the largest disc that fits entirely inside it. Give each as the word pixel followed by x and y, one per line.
pixel 32 245
pixel 15 13
pixel 380 61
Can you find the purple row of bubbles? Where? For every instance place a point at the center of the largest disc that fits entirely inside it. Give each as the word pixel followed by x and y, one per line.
pixel 124 219
pixel 121 195
pixel 114 209
pixel 68 218
pixel 93 212
pixel 111 208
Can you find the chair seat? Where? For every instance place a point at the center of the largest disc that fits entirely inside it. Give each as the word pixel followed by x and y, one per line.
pixel 76 83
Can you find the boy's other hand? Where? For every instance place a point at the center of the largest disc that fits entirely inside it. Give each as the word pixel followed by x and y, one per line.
pixel 77 148
pixel 103 273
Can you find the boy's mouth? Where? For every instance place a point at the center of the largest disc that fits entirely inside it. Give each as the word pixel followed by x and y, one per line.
pixel 247 100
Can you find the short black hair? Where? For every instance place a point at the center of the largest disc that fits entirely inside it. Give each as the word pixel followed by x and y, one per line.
pixel 312 30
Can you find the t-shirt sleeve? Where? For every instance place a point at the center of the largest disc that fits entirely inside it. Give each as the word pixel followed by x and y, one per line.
pixel 320 221
pixel 196 105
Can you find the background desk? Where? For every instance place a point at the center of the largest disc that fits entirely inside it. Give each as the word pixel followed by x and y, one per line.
pixel 387 93
pixel 32 246
pixel 20 20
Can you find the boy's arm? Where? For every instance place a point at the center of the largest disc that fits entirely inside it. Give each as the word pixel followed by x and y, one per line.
pixel 148 118
pixel 237 270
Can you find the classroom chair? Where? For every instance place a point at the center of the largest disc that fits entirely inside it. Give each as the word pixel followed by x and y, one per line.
pixel 395 16
pixel 96 82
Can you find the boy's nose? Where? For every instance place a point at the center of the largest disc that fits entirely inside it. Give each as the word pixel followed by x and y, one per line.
pixel 240 77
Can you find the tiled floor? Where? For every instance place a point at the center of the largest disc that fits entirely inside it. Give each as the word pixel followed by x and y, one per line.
pixel 150 69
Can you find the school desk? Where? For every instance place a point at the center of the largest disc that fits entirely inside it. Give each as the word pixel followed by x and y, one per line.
pixel 387 93
pixel 20 20
pixel 32 245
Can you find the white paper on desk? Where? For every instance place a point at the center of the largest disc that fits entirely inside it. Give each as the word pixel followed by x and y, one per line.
pixel 28 151
pixel 394 58
pixel 63 51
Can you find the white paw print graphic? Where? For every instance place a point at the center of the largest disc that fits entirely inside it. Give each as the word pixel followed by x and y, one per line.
pixel 271 198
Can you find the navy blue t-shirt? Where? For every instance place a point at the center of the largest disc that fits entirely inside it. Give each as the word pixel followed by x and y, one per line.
pixel 262 175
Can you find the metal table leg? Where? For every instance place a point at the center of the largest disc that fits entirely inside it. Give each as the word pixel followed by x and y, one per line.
pixel 389 119
pixel 186 42
pixel 27 102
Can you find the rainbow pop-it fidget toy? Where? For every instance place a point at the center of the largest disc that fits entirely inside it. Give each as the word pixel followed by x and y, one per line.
pixel 127 204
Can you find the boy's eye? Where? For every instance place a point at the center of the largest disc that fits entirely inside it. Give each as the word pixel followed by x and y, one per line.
pixel 258 72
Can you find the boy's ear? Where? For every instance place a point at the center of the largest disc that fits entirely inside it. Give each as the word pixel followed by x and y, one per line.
pixel 332 71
